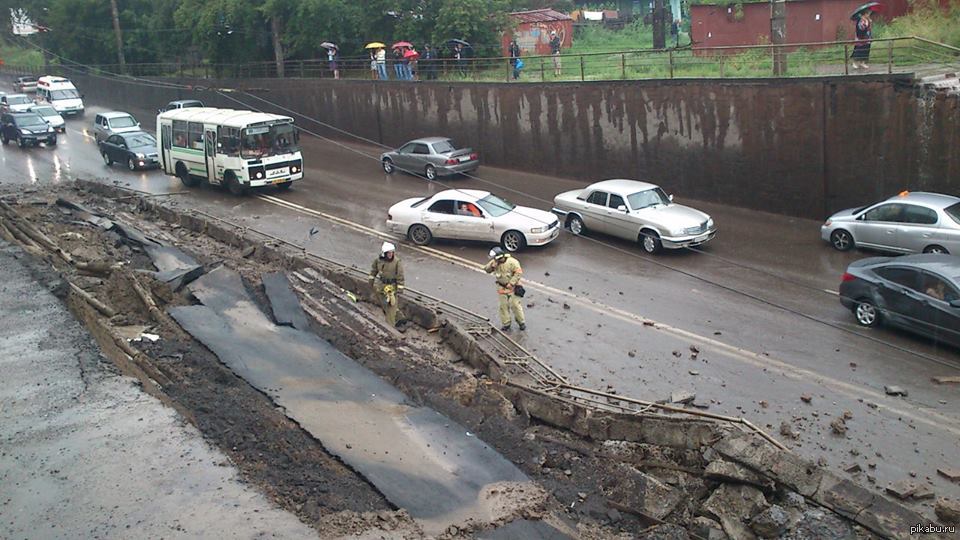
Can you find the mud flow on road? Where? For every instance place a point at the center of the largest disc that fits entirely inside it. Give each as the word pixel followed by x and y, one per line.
pixel 580 486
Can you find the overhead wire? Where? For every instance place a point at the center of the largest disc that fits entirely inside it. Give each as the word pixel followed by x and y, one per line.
pixel 224 92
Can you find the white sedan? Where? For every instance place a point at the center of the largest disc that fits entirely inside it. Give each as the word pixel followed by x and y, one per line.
pixel 469 214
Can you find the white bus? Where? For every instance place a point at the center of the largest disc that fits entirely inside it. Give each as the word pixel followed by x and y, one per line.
pixel 237 149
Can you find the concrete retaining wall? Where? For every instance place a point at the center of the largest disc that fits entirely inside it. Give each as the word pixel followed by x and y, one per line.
pixel 802 147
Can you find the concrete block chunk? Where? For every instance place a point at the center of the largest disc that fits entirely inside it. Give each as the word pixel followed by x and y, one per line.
pixel 948 510
pixel 770 523
pixel 645 494
pixel 733 506
pixel 728 471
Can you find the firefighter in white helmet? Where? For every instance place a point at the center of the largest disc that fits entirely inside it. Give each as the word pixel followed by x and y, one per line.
pixel 507 272
pixel 386 277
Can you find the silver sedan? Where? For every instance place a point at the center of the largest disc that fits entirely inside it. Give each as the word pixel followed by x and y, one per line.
pixel 635 211
pixel 906 223
pixel 431 157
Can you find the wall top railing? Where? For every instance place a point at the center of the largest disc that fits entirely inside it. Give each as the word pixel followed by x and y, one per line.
pixel 886 56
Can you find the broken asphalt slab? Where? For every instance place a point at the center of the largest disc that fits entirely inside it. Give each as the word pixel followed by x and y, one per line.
pixel 283 302
pixel 419 459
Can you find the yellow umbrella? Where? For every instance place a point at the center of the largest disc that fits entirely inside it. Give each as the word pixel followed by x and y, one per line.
pixel 375 45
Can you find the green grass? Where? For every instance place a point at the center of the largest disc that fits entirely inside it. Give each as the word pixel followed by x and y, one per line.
pixel 13 55
pixel 926 20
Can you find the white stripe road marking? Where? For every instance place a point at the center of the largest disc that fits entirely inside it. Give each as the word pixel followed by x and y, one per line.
pixel 755 359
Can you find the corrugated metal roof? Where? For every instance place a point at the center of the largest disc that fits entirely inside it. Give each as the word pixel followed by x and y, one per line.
pixel 540 15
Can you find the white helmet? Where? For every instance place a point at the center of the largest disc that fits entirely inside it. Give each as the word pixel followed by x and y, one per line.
pixel 387 247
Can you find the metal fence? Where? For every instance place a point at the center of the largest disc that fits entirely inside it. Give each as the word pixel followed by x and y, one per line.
pixel 888 55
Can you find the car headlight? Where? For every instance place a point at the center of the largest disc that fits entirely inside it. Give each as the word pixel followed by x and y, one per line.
pixel 537 230
pixel 676 232
pixel 259 175
pixel 709 223
pixel 140 156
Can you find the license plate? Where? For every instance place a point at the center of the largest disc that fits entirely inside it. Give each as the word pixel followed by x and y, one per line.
pixel 702 238
pixel 282 171
pixel 278 181
pixel 464 159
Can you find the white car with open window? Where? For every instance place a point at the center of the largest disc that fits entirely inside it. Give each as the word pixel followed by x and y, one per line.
pixel 237 149
pixel 469 214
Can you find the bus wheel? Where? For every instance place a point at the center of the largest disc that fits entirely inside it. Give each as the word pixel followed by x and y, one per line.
pixel 184 174
pixel 234 185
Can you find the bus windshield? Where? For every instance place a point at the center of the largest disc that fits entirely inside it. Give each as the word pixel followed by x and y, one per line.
pixel 263 141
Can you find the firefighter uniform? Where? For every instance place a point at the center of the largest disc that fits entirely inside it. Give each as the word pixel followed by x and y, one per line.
pixel 386 276
pixel 507 272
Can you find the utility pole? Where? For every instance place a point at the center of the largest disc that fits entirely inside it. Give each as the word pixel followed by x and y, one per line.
pixel 116 30
pixel 659 37
pixel 778 35
pixel 278 54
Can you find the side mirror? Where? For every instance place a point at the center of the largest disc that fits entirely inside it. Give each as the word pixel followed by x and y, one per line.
pixel 622 208
pixel 955 303
pixel 670 197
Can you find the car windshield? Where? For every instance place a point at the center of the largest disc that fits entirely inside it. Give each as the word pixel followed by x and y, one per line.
pixel 65 94
pixel 954 212
pixel 650 197
pixel 140 140
pixel 18 100
pixel 123 122
pixel 44 111
pixel 443 147
pixel 262 141
pixel 495 206
pixel 31 121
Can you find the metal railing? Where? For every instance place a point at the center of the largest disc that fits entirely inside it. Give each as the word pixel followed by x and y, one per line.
pixel 887 55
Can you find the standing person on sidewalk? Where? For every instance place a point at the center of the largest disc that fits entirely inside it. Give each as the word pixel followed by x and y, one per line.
pixel 507 272
pixel 861 50
pixel 514 51
pixel 332 56
pixel 382 64
pixel 386 277
pixel 555 44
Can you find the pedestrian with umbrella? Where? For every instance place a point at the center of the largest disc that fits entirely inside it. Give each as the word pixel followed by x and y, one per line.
pixel 514 51
pixel 379 59
pixel 402 63
pixel 458 55
pixel 333 54
pixel 410 56
pixel 861 49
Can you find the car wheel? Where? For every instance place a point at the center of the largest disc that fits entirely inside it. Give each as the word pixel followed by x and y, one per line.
pixel 841 240
pixel 513 241
pixel 21 143
pixel 388 166
pixel 936 249
pixel 131 164
pixel 650 241
pixel 234 185
pixel 107 160
pixel 431 172
pixel 184 174
pixel 52 141
pixel 419 234
pixel 866 313
pixel 576 225
pixel 4 139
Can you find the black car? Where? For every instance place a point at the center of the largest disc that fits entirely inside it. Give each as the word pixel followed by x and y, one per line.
pixel 138 149
pixel 919 293
pixel 26 128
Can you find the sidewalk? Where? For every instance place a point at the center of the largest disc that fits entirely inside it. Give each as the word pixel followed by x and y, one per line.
pixel 84 453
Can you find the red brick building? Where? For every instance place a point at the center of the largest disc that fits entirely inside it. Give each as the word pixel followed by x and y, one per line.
pixel 808 21
pixel 533 31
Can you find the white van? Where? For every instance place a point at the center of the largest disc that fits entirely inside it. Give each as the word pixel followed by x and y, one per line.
pixel 61 94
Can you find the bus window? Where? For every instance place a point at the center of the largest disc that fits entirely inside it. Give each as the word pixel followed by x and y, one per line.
pixel 196 135
pixel 228 141
pixel 180 134
pixel 261 141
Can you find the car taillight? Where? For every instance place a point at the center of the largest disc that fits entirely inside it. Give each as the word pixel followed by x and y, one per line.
pixel 847 276
pixel 474 156
pixel 452 161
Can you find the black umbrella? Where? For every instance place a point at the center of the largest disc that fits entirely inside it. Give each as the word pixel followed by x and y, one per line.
pixel 460 41
pixel 871 6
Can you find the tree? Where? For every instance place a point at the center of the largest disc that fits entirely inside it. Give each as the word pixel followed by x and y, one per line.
pixel 479 22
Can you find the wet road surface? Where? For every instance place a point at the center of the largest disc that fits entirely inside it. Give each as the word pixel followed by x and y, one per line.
pixel 758 303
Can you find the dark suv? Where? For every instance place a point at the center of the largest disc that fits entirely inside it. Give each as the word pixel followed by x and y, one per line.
pixel 26 128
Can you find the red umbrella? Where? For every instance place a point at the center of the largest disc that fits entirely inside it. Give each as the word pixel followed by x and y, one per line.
pixel 411 54
pixel 402 45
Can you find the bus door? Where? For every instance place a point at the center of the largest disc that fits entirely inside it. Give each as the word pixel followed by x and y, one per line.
pixel 165 139
pixel 210 151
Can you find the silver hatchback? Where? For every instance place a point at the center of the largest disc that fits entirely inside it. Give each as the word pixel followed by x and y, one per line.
pixel 906 223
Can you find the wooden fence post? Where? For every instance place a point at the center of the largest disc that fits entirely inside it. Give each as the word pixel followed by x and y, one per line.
pixel 846 59
pixel 890 56
pixel 623 65
pixel 543 75
pixel 670 55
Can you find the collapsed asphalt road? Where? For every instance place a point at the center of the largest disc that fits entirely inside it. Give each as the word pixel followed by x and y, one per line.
pixel 754 359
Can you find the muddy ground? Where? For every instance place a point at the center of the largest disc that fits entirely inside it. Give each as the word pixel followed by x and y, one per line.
pixel 293 468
